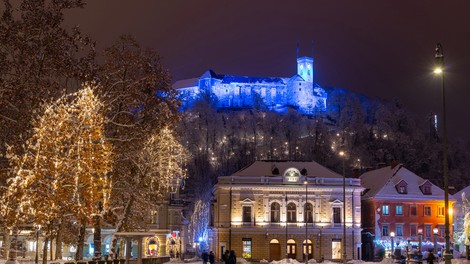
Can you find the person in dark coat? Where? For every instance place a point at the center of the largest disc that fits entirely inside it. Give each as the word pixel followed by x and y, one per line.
pixel 211 257
pixel 225 256
pixel 431 257
pixel 232 259
pixel 205 257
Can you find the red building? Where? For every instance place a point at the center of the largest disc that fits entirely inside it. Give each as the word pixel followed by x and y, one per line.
pixel 398 202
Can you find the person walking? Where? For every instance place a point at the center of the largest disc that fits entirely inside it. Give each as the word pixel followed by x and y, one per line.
pixel 232 259
pixel 225 256
pixel 205 257
pixel 211 257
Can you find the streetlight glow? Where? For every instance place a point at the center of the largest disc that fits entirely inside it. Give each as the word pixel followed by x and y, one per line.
pixel 438 70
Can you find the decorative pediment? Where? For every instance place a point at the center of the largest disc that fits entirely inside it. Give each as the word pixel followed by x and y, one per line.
pixel 426 187
pixel 247 201
pixel 402 187
pixel 336 202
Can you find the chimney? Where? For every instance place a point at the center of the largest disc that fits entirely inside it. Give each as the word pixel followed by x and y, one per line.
pixel 394 163
pixel 381 165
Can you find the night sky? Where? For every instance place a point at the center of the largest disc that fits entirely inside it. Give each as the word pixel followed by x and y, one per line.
pixel 383 49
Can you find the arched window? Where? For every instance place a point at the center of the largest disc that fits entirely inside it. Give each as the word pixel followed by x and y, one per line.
pixel 275 212
pixel 291 213
pixel 308 213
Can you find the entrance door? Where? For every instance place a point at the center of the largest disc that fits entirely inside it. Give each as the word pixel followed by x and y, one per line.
pixel 275 250
pixel 308 249
pixel 291 249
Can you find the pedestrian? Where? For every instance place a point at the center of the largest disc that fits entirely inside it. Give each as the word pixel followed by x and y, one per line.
pixel 225 256
pixel 205 257
pixel 211 257
pixel 431 257
pixel 232 259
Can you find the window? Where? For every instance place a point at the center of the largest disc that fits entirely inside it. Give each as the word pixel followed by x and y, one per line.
pixel 399 230
pixel 263 92
pixel 442 231
pixel 413 210
pixel 385 230
pixel 336 215
pixel 413 230
pixel 440 211
pixel 153 217
pixel 308 213
pixel 427 231
pixel 273 93
pixel 427 210
pixel 247 214
pixel 291 213
pixel 399 210
pixel 402 190
pixel 275 212
pixel 246 245
pixel 385 209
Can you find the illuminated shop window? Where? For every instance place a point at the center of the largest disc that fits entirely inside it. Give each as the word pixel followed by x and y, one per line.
pixel 246 245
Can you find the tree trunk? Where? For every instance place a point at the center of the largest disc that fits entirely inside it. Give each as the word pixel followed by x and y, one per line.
pixel 127 211
pixel 58 241
pixel 80 242
pixel 44 250
pixel 12 250
pixel 6 243
pixel 97 237
pixel 51 252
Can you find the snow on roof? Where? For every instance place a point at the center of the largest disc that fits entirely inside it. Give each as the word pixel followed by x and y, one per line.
pixel 265 168
pixel 458 195
pixel 186 83
pixel 381 183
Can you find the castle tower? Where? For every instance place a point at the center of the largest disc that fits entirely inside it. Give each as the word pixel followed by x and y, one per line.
pixel 305 68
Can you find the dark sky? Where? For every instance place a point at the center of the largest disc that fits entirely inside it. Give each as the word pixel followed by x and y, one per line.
pixel 383 49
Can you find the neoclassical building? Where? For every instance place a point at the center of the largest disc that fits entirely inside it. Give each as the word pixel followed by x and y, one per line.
pixel 277 209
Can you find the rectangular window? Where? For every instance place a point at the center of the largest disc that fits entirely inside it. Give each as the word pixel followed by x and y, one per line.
pixel 153 217
pixel 247 214
pixel 336 215
pixel 440 211
pixel 413 230
pixel 399 229
pixel 442 231
pixel 399 210
pixel 413 210
pixel 385 230
pixel 273 93
pixel 246 244
pixel 385 210
pixel 263 92
pixel 427 231
pixel 427 210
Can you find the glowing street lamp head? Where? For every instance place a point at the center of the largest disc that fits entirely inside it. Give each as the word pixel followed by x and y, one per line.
pixel 392 234
pixel 438 70
pixel 342 153
pixel 200 239
pixel 435 230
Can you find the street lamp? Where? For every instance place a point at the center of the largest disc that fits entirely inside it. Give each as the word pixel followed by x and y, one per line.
pixel 392 236
pixel 435 231
pixel 420 237
pixel 36 259
pixel 342 153
pixel 306 219
pixel 439 70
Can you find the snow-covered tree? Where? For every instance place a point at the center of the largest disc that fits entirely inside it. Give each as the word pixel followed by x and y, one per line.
pixel 62 173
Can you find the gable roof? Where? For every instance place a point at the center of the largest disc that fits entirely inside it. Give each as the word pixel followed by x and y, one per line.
pixel 458 195
pixel 265 168
pixel 381 184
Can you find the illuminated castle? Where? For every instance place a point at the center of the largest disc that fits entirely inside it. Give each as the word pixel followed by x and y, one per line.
pixel 270 93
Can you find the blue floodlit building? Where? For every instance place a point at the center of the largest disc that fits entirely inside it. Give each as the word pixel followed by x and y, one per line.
pixel 229 92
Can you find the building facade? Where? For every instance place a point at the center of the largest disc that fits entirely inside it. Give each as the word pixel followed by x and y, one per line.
pixel 276 210
pixel 398 202
pixel 244 92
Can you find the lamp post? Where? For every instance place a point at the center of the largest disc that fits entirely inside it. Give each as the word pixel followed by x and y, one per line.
pixel 439 70
pixel 306 219
pixel 392 237
pixel 36 258
pixel 435 231
pixel 420 237
pixel 342 153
